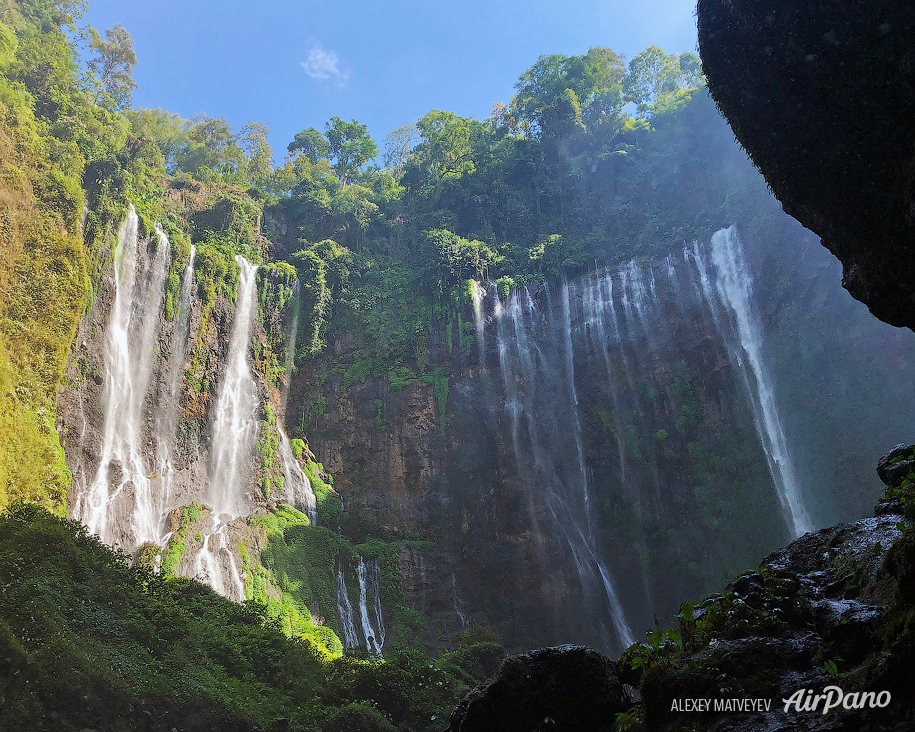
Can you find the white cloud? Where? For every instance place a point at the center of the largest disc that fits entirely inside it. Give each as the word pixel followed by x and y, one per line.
pixel 323 64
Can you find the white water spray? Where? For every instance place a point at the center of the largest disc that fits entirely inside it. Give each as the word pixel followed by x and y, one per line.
pixel 235 424
pixel 734 288
pixel 374 642
pixel 478 323
pixel 167 417
pixel 215 564
pixel 345 612
pixel 128 357
pixel 528 376
pixel 298 488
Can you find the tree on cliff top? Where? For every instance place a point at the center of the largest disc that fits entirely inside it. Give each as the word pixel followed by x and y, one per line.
pixel 112 66
pixel 351 147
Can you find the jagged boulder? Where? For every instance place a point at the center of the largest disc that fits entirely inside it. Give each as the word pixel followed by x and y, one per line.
pixel 822 96
pixel 895 466
pixel 832 608
pixel 564 688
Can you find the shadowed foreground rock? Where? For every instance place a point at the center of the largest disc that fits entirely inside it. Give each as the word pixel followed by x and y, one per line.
pixel 836 608
pixel 822 96
pixel 566 688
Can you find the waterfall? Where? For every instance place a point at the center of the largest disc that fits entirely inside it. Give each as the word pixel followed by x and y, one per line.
pixel 374 642
pixel 235 424
pixel 734 285
pixel 345 612
pixel 290 345
pixel 216 566
pixel 119 505
pixel 457 609
pixel 167 417
pixel 478 323
pixel 541 405
pixel 297 486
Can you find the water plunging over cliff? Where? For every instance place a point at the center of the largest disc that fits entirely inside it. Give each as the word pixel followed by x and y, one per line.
pixel 370 633
pixel 235 423
pixel 167 414
pixel 679 434
pixel 345 612
pixel 296 483
pixel 541 405
pixel 118 505
pixel 369 577
pixel 734 286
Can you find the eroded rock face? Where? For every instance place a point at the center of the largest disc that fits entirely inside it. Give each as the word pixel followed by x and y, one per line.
pixel 565 688
pixel 822 96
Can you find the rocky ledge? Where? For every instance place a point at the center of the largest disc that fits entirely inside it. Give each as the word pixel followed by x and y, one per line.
pixel 828 621
pixel 822 96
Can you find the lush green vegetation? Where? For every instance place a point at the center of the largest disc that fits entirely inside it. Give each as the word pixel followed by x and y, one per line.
pixel 592 160
pixel 564 174
pixel 89 642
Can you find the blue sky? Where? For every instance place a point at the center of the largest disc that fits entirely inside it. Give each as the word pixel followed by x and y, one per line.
pixel 292 65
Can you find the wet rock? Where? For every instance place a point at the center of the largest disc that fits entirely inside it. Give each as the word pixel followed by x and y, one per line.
pixel 849 629
pixel 896 464
pixel 115 474
pixel 564 688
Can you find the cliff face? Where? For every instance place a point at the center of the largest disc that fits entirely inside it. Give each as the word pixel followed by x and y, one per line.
pixel 822 96
pixel 613 444
pixel 818 637
pixel 603 439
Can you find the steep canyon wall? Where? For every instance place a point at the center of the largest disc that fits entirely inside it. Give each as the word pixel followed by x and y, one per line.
pixel 580 457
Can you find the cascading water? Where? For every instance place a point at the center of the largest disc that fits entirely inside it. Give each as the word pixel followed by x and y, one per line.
pixel 118 505
pixel 297 486
pixel 235 424
pixel 290 344
pixel 215 565
pixel 374 642
pixel 345 612
pixel 167 416
pixel 457 608
pixel 660 349
pixel 541 405
pixel 479 324
pixel 734 286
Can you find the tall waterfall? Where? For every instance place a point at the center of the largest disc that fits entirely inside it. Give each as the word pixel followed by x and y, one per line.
pixel 345 612
pixel 121 486
pixel 734 286
pixel 235 423
pixel 297 485
pixel 369 632
pixel 374 640
pixel 542 408
pixel 167 415
pixel 679 434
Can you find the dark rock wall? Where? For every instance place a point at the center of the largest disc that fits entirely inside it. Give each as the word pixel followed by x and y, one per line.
pixel 822 96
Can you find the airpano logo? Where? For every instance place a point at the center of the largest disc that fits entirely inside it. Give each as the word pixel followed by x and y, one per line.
pixel 832 697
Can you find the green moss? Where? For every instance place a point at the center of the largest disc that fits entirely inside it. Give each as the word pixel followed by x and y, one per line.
pixel 177 544
pixel 439 381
